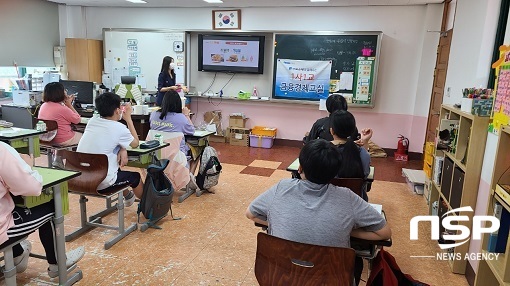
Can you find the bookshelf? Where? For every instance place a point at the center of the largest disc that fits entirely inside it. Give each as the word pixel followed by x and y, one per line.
pixel 462 165
pixel 497 272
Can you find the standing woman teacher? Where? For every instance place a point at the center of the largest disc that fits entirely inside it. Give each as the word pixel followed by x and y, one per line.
pixel 166 79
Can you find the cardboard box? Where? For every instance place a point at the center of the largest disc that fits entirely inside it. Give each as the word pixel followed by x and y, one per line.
pixel 214 117
pixel 239 136
pixel 237 121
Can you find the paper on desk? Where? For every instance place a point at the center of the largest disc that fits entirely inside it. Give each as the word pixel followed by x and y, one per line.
pixel 136 93
pixel 122 91
pixel 377 207
pixel 322 104
pixel 346 79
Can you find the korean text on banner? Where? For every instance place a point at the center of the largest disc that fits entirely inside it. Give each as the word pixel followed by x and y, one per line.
pixel 302 79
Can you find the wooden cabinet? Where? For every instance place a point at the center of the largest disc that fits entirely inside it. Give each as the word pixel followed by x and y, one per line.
pixel 497 271
pixel 461 169
pixel 84 59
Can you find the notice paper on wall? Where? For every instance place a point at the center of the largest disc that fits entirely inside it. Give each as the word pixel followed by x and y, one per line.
pixel 117 73
pixel 108 66
pixel 346 80
pixel 322 104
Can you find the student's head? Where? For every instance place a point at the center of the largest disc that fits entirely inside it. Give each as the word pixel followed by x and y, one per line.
pixel 336 102
pixel 107 104
pixel 171 103
pixel 342 124
pixel 54 92
pixel 167 61
pixel 320 161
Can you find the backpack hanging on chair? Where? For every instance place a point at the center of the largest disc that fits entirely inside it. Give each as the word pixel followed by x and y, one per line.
pixel 157 196
pixel 210 169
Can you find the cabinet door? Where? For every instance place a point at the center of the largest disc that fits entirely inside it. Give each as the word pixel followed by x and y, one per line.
pixel 457 186
pixel 446 181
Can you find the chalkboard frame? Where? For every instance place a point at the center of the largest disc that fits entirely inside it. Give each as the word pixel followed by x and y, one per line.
pixel 379 35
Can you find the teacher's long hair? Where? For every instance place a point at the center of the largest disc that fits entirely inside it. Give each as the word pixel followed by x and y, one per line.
pixel 165 66
pixel 344 125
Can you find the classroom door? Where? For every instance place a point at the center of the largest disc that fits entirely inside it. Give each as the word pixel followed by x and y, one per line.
pixel 443 54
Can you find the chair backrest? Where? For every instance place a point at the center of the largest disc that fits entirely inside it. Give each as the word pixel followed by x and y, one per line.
pixel 51 129
pixel 93 168
pixel 354 184
pixel 284 262
pixel 177 170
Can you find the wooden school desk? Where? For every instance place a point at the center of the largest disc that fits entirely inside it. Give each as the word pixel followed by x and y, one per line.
pixel 55 185
pixel 20 138
pixel 142 158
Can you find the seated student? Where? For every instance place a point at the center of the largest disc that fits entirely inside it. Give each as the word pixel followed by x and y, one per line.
pixel 310 210
pixel 58 106
pixel 355 160
pixel 106 135
pixel 320 129
pixel 18 179
pixel 173 117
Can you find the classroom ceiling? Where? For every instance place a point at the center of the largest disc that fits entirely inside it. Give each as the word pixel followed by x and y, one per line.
pixel 242 3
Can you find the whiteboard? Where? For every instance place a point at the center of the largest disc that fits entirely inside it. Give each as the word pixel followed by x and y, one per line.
pixel 140 53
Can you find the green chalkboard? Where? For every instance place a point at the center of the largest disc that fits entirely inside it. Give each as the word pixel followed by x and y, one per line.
pixel 343 49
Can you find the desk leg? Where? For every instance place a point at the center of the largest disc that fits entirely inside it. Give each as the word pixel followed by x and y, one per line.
pixel 60 241
pixel 31 151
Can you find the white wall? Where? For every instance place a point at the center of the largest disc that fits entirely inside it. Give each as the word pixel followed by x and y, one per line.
pixel 471 49
pixel 405 73
pixel 29 31
pixel 403 28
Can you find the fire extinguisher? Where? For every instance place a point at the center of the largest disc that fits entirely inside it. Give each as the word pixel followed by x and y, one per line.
pixel 402 145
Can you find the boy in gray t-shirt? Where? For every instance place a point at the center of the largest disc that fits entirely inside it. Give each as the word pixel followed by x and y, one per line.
pixel 313 211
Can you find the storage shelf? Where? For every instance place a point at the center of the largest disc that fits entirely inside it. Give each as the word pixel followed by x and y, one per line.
pixel 493 272
pixel 458 111
pixel 497 267
pixel 446 201
pixel 501 201
pixel 460 181
pixel 457 162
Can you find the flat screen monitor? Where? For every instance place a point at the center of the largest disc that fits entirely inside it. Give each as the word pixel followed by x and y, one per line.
pixel 83 90
pixel 231 53
pixel 128 79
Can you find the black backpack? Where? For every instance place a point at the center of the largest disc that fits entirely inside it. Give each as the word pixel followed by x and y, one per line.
pixel 157 195
pixel 210 169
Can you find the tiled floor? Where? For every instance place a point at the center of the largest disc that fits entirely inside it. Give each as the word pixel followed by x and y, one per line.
pixel 214 243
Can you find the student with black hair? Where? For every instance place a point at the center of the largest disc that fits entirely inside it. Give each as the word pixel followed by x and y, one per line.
pixel 355 160
pixel 58 106
pixel 311 210
pixel 173 117
pixel 320 129
pixel 106 135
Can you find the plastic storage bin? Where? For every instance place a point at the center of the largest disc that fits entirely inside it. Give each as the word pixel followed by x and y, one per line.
pixel 264 131
pixel 261 141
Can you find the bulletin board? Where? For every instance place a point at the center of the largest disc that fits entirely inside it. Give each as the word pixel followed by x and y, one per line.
pixel 140 53
pixel 354 61
pixel 501 106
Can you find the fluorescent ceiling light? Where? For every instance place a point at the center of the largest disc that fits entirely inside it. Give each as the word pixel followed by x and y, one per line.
pixel 137 1
pixel 319 0
pixel 213 1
